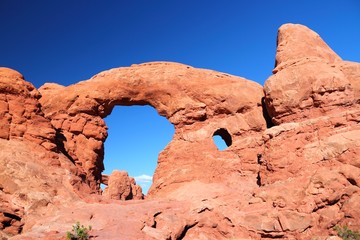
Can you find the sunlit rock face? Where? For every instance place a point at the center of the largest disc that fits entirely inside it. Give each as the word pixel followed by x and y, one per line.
pixel 310 80
pixel 291 168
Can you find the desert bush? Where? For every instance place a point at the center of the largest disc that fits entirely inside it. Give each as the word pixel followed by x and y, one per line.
pixel 79 232
pixel 347 234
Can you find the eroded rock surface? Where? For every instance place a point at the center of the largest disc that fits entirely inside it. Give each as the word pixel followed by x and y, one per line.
pixel 291 169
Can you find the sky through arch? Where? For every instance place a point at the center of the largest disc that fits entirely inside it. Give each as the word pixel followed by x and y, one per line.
pixel 137 134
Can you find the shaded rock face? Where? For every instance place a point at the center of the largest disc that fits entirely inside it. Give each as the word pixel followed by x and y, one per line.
pixel 291 169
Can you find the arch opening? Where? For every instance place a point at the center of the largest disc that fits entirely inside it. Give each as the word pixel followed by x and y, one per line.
pixel 222 139
pixel 136 136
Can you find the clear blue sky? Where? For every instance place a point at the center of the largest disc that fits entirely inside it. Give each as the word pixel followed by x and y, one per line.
pixel 65 41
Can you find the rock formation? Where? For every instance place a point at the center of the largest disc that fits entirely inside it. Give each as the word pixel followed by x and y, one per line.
pixel 122 187
pixel 198 102
pixel 291 169
pixel 20 113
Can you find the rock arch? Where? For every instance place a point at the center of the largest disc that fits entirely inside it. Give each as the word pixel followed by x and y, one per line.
pixel 193 100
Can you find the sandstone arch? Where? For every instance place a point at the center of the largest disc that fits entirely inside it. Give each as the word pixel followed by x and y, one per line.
pixel 194 100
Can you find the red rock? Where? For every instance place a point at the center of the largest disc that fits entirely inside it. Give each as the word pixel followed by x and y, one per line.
pixel 155 84
pixel 122 187
pixel 294 178
pixel 311 96
pixel 20 111
pixel 309 79
pixel 296 42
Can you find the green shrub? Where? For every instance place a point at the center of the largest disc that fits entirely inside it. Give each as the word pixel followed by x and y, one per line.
pixel 347 234
pixel 79 232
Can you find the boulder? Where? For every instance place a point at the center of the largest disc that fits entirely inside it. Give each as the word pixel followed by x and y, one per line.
pixel 122 187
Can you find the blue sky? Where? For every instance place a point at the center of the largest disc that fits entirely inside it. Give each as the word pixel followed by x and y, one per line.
pixel 65 41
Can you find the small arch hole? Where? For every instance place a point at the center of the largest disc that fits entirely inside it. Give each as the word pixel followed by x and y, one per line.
pixel 222 139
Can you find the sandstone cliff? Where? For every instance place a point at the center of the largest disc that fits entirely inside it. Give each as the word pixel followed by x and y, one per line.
pixel 292 168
